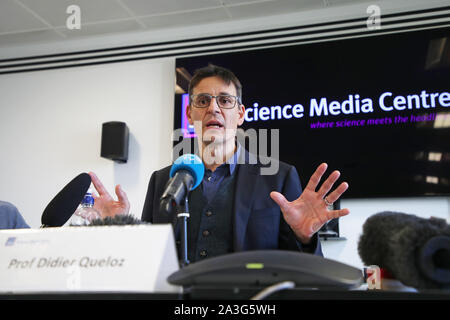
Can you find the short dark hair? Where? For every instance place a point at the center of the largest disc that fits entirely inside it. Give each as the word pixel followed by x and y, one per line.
pixel 215 71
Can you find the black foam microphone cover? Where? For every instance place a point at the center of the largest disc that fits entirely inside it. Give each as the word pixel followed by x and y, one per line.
pixel 118 220
pixel 415 250
pixel 64 204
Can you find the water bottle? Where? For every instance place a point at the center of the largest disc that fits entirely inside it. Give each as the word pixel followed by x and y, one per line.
pixel 85 213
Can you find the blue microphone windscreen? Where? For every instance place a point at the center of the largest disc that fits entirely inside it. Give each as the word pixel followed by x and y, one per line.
pixel 191 163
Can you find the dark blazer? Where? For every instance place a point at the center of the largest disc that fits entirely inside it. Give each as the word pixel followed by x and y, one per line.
pixel 258 223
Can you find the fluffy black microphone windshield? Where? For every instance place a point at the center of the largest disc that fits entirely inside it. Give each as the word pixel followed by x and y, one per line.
pixel 416 251
pixel 118 220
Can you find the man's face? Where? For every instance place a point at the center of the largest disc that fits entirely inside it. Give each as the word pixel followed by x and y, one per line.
pixel 215 124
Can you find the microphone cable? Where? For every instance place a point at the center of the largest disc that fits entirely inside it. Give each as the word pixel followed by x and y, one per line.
pixel 273 288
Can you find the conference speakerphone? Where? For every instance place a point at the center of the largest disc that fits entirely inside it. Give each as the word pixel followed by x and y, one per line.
pixel 261 268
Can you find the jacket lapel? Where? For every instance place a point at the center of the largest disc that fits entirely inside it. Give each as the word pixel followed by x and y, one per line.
pixel 246 181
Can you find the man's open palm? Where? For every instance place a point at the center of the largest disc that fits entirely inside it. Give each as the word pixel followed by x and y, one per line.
pixel 307 214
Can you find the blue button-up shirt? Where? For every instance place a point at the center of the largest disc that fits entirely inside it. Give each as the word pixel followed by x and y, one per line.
pixel 10 218
pixel 212 180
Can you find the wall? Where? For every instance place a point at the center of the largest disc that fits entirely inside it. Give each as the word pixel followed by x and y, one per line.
pixel 50 129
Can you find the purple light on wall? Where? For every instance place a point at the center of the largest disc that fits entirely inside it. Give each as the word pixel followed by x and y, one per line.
pixel 188 130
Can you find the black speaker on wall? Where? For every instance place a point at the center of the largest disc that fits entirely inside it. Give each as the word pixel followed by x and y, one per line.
pixel 115 136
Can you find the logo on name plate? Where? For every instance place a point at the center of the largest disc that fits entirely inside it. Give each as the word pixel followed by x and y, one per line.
pixel 10 241
pixel 13 241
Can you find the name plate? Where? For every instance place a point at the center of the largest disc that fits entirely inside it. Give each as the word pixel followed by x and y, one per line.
pixel 100 259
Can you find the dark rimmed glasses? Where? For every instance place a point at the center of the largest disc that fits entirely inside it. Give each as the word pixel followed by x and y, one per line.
pixel 224 101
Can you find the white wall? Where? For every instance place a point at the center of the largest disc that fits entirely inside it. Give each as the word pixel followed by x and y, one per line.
pixel 50 129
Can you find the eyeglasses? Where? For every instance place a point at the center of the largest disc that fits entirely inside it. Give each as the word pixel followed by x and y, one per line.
pixel 224 101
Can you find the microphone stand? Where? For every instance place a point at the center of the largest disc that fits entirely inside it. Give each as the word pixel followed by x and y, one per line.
pixel 182 219
pixel 170 203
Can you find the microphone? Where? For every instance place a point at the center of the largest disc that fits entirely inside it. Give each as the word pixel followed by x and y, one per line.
pixel 414 250
pixel 118 220
pixel 64 204
pixel 186 174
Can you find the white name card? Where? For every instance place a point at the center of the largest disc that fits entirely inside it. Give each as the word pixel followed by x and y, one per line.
pixel 99 259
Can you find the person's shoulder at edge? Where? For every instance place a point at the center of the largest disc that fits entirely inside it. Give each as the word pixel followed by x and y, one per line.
pixel 164 170
pixel 10 217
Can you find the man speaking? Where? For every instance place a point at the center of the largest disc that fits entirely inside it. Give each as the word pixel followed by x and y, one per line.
pixel 236 208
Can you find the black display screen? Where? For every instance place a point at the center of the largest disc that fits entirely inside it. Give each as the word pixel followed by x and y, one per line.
pixel 375 108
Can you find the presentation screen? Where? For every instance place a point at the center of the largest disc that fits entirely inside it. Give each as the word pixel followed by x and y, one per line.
pixel 375 108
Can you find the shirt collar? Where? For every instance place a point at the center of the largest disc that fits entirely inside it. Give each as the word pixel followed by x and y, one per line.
pixel 232 161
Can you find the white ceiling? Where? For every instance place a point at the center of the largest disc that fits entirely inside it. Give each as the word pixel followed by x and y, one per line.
pixel 38 27
pixel 42 21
